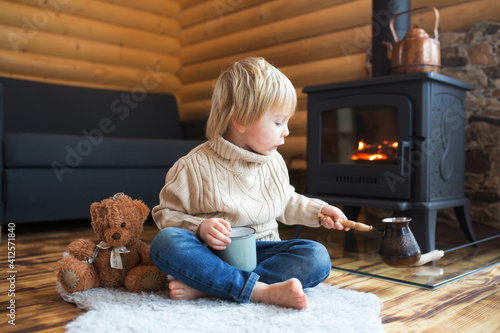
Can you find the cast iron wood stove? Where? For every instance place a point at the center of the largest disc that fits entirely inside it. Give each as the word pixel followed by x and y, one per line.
pixel 392 141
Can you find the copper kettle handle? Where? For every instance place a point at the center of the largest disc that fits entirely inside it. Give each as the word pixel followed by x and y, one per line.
pixel 436 24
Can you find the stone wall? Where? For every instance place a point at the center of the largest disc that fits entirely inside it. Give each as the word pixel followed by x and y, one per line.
pixel 474 57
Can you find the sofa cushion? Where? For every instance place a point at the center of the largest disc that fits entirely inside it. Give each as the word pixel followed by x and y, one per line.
pixel 35 194
pixel 39 107
pixel 94 150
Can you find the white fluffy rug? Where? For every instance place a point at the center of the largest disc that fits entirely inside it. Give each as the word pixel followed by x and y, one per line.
pixel 116 310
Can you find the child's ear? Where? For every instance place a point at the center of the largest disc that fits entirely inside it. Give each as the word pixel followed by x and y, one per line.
pixel 239 127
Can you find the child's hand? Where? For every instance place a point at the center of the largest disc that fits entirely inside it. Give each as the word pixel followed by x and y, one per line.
pixel 215 232
pixel 333 215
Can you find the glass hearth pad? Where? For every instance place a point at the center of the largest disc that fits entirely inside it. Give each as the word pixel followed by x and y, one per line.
pixel 357 252
pixel 360 256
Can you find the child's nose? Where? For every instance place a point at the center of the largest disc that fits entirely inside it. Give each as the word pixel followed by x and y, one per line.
pixel 286 132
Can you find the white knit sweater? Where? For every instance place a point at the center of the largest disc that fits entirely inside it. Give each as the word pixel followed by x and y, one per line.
pixel 218 179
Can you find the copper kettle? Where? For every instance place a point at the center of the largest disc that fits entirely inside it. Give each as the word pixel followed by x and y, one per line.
pixel 416 52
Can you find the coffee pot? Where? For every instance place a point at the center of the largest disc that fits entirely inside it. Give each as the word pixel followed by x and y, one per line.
pixel 399 247
pixel 417 51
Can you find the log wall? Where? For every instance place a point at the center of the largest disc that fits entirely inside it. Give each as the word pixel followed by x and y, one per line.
pixel 107 43
pixel 311 41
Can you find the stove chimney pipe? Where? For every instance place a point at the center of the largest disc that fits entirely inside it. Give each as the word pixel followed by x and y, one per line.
pixel 383 11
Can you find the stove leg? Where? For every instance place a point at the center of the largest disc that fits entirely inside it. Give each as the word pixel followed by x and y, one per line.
pixel 423 226
pixel 297 230
pixel 463 217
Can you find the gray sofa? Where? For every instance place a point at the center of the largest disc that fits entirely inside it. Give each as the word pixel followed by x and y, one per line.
pixel 65 147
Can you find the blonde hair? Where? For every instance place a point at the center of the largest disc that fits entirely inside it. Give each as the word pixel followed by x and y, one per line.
pixel 245 91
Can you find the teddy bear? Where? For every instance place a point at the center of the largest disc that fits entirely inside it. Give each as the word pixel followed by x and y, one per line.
pixel 116 257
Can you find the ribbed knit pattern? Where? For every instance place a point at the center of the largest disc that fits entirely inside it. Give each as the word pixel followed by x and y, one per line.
pixel 220 180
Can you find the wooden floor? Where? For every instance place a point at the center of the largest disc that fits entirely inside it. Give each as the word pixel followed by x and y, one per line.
pixel 471 304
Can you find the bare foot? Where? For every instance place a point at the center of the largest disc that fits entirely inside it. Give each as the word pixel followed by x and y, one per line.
pixel 179 290
pixel 288 294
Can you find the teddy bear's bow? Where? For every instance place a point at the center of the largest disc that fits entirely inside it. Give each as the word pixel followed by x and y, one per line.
pixel 116 251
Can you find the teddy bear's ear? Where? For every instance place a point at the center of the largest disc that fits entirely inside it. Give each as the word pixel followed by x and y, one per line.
pixel 98 211
pixel 143 209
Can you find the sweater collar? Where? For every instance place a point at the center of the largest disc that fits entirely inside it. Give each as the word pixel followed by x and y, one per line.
pixel 232 152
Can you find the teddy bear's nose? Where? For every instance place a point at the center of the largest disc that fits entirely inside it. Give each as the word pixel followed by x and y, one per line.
pixel 116 236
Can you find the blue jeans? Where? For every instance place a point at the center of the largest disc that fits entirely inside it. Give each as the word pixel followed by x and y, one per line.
pixel 179 253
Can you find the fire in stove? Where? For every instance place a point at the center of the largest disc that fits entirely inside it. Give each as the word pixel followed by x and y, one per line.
pixel 374 152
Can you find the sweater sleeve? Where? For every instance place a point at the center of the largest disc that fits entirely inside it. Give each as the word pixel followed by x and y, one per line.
pixel 299 209
pixel 178 207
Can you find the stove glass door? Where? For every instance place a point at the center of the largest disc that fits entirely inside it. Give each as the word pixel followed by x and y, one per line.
pixel 360 145
pixel 364 134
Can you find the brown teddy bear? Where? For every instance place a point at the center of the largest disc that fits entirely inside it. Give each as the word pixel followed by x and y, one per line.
pixel 117 257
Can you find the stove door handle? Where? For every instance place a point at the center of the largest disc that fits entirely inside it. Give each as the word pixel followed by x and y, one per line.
pixel 404 152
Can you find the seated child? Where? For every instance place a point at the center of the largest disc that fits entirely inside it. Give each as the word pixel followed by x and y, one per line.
pixel 237 178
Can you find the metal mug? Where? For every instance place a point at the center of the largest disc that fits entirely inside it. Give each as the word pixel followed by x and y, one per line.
pixel 241 252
